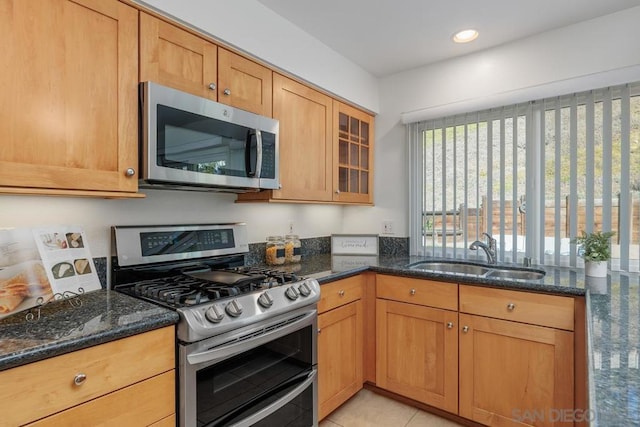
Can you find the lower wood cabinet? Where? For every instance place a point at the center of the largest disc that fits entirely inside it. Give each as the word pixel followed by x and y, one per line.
pixel 417 354
pixel 516 357
pixel 514 374
pixel 417 340
pixel 130 381
pixel 340 343
pixel 495 356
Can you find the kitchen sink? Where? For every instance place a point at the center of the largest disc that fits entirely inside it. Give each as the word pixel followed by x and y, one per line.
pixel 451 267
pixel 471 269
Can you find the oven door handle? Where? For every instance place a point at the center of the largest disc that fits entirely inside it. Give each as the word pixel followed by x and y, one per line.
pixel 223 351
pixel 270 409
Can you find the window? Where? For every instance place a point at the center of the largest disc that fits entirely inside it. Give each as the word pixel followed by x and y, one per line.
pixel 533 176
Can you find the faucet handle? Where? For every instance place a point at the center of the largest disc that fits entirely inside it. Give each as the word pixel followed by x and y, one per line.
pixel 489 237
pixel 493 243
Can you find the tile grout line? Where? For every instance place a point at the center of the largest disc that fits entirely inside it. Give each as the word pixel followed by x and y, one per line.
pixel 412 417
pixel 333 422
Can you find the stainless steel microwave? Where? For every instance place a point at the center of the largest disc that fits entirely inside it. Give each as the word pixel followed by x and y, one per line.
pixel 193 143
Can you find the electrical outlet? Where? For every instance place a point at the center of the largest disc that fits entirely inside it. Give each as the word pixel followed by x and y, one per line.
pixel 387 227
pixel 291 227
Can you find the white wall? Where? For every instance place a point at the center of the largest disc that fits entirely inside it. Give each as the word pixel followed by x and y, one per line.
pixel 250 26
pixel 167 207
pixel 596 53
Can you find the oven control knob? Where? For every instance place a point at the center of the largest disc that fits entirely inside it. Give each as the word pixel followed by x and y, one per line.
pixel 214 314
pixel 265 300
pixel 234 309
pixel 304 289
pixel 292 293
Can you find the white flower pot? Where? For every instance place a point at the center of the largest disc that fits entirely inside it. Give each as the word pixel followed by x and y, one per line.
pixel 595 268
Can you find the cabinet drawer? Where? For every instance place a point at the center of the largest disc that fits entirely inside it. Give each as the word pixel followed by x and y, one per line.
pixel 141 404
pixel 38 389
pixel 418 291
pixel 536 309
pixel 339 293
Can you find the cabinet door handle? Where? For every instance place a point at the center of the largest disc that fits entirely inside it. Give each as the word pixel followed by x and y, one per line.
pixel 79 379
pixel 449 325
pixel 212 86
pixel 465 329
pixel 341 292
pixel 511 306
pixel 227 92
pixel 130 172
pixel 412 292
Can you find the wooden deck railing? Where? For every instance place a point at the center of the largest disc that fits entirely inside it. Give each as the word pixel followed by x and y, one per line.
pixel 477 218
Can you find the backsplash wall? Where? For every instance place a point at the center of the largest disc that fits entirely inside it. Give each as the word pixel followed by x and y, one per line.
pixel 96 216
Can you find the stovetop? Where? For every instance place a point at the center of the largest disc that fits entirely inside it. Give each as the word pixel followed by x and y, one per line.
pixel 198 270
pixel 194 288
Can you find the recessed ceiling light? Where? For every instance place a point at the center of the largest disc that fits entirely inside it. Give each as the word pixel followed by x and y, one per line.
pixel 465 36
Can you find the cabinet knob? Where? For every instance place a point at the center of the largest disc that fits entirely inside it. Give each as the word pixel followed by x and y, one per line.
pixel 130 172
pixel 511 306
pixel 341 292
pixel 79 379
pixel 212 86
pixel 412 292
pixel 337 191
pixel 319 330
pixel 227 92
pixel 449 325
pixel 465 329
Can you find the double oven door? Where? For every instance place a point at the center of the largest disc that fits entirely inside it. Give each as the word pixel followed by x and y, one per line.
pixel 260 375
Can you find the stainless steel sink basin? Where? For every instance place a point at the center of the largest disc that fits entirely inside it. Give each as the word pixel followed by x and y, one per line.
pixel 451 267
pixel 516 274
pixel 470 269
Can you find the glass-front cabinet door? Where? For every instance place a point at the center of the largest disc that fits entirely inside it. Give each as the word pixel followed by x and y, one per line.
pixel 353 154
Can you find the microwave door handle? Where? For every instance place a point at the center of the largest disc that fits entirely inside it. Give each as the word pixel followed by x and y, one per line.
pixel 253 173
pixel 247 154
pixel 259 153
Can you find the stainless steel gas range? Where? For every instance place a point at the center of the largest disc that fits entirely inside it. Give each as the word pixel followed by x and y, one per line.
pixel 247 337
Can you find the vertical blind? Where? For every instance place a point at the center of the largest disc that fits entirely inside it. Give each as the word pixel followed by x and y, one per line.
pixel 533 176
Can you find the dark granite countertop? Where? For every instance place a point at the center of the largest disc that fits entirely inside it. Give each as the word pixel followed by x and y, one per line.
pixel 613 322
pixel 103 316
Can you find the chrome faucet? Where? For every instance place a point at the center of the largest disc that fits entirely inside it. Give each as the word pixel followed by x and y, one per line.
pixel 489 249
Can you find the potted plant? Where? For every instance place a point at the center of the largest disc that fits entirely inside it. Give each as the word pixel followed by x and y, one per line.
pixel 596 251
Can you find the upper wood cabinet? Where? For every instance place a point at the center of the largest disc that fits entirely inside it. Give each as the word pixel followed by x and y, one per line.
pixel 177 58
pixel 326 148
pixel 353 154
pixel 243 83
pixel 69 104
pixel 305 143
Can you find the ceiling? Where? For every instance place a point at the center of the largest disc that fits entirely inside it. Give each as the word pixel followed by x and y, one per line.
pixel 388 36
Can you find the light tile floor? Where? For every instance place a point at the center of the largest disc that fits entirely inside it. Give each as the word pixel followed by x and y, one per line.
pixel 368 409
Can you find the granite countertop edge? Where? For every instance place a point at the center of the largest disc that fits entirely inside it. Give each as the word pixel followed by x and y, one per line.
pixel 105 316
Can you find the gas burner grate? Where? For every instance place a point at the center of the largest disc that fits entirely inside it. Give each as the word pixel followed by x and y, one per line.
pixel 184 290
pixel 274 277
